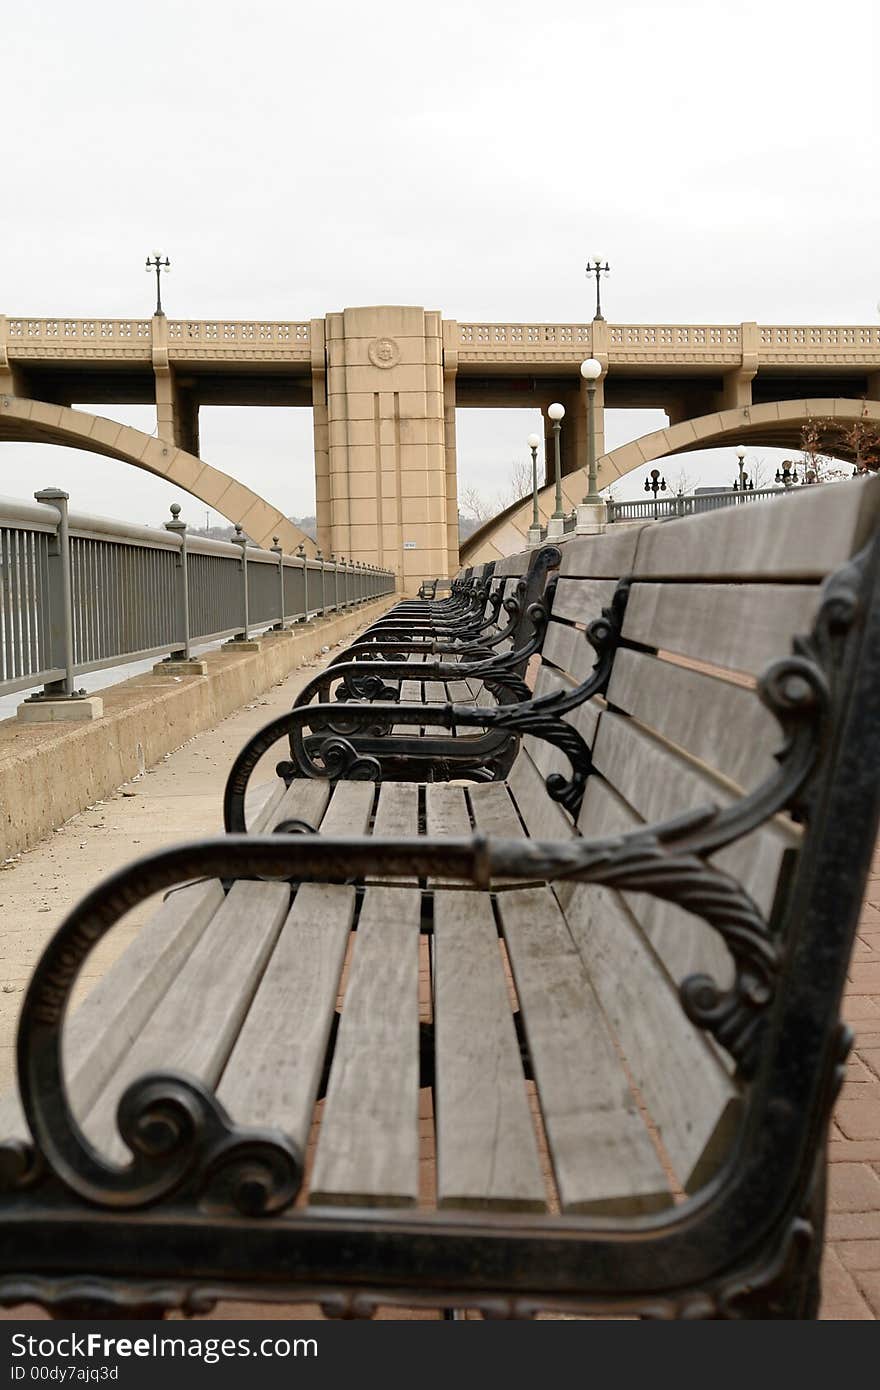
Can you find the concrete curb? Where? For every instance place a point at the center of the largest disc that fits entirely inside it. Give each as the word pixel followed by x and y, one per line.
pixel 49 772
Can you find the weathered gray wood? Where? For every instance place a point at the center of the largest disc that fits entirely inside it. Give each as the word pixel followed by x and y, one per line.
pixel 515 565
pixel 722 724
pixel 260 802
pixel 740 626
pixel 601 557
pixel 582 600
pixel 544 818
pixel 100 1031
pixel 196 1022
pixel 689 1094
pixel 658 783
pixel 350 809
pixel 603 1157
pixel 273 1074
pixel 305 799
pixel 368 1145
pixel 487 1154
pixel 446 811
pixel 568 648
pixel 397 814
pixel 802 536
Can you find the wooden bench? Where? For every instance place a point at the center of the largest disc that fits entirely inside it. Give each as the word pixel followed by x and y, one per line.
pixel 483 673
pixel 580 1063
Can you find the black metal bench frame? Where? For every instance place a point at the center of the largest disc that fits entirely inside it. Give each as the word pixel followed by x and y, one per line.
pixel 203 1210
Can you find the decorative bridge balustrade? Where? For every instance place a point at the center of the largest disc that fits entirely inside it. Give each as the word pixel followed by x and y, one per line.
pixel 724 344
pixel 182 338
pixel 665 508
pixel 80 593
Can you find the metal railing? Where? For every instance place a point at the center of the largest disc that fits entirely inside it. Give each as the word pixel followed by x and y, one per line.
pixel 79 593
pixel 663 509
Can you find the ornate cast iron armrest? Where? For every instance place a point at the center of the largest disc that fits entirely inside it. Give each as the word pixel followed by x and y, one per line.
pixel 500 672
pixel 339 758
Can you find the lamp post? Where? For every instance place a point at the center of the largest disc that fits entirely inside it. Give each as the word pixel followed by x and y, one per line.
pixel 655 484
pixel 744 483
pixel 535 536
pixel 595 267
pixel 155 262
pixel 591 514
pixel 788 477
pixel 555 412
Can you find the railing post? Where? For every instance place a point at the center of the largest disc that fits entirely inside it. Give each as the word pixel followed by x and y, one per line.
pixel 276 548
pixel 241 540
pixel 181 586
pixel 60 600
pixel 335 583
pixel 320 558
pixel 301 553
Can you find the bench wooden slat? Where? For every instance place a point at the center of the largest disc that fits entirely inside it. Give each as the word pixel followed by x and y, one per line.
pixel 688 1091
pixel 581 600
pixel 397 813
pixel 603 1157
pixel 568 648
pixel 601 557
pixel 802 536
pixel 446 813
pixel 544 818
pixel 722 724
pixel 738 626
pixel 350 809
pixel 273 1074
pixel 487 1154
pixel 305 799
pixel 368 1150
pixel 211 994
pixel 104 1026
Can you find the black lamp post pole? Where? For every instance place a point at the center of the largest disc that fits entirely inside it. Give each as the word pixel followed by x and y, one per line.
pixel 655 484
pixel 156 262
pixel 595 267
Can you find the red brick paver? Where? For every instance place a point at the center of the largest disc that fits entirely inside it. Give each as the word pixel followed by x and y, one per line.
pixel 851 1272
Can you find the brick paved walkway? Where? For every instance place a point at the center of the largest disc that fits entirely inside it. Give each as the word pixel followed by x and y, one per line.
pixel 852 1260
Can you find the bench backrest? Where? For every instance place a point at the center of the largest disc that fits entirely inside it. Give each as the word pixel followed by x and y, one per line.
pixel 711 603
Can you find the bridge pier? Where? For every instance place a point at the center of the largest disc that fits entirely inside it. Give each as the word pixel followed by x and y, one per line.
pixel 390 463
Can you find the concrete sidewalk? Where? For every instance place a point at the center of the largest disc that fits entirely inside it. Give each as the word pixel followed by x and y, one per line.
pixel 180 799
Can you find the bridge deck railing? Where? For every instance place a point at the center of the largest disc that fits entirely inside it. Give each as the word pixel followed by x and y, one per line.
pixel 79 593
pixel 665 508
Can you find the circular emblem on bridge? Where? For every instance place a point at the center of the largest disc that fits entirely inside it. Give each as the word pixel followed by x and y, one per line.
pixel 383 352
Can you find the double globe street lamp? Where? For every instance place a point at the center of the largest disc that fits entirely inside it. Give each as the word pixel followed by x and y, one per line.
pixel 155 261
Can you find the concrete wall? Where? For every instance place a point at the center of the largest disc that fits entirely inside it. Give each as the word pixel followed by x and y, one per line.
pixel 49 772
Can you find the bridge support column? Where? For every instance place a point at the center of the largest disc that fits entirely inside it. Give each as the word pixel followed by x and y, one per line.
pixel 9 378
pixel 386 408
pixel 321 434
pixel 177 405
pixel 736 388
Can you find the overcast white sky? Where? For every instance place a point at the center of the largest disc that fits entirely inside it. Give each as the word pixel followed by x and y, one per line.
pixel 293 159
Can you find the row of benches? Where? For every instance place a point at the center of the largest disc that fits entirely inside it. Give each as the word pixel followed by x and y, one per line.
pixel 519 989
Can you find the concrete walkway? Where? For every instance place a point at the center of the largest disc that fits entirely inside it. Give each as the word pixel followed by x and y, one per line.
pixel 180 799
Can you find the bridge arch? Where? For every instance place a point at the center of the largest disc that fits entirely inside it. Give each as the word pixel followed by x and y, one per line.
pixel 776 424
pixel 38 422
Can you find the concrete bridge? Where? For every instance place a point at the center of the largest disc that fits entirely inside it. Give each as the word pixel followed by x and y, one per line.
pixel 384 384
